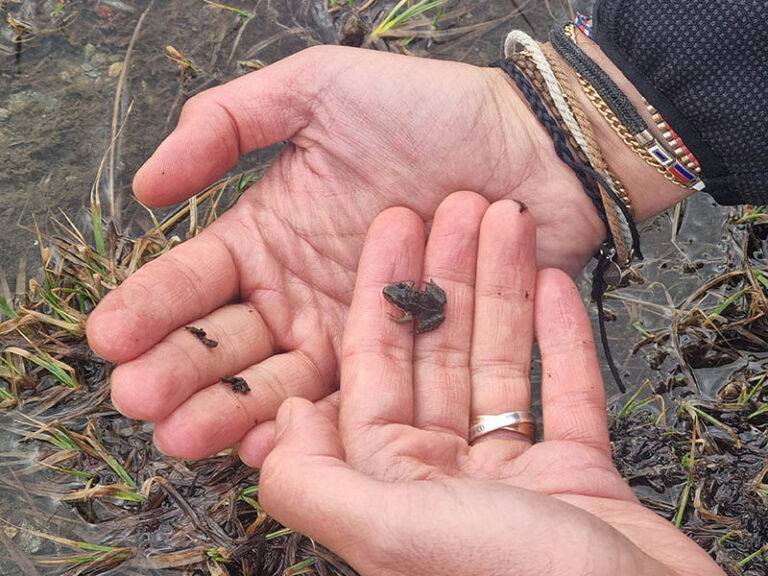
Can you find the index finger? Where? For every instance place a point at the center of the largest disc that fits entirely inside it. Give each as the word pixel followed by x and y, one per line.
pixel 376 352
pixel 187 283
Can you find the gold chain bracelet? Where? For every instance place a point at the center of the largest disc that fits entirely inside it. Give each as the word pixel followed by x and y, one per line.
pixel 618 126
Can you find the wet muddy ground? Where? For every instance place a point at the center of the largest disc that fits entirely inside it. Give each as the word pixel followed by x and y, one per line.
pixel 695 452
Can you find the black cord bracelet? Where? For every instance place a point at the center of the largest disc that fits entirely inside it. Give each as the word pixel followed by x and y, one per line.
pixel 560 141
pixel 596 76
pixel 605 256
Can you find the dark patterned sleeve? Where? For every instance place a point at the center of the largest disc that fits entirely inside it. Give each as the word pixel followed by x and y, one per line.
pixel 704 65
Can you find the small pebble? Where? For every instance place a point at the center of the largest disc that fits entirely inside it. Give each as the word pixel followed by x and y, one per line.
pixel 115 68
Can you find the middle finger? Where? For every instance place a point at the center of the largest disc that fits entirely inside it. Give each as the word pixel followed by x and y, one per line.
pixel 441 377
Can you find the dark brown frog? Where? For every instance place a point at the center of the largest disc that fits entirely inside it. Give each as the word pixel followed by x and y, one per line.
pixel 426 306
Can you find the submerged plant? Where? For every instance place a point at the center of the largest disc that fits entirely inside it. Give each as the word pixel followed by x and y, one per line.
pixel 403 13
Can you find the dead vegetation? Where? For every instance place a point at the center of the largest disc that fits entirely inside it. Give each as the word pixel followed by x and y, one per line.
pixel 693 440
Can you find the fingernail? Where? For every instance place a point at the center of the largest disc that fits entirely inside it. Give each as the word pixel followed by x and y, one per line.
pixel 283 418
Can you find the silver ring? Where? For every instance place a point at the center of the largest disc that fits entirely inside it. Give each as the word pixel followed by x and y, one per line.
pixel 520 421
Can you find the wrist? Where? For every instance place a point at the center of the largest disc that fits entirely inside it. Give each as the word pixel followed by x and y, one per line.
pixel 569 230
pixel 649 191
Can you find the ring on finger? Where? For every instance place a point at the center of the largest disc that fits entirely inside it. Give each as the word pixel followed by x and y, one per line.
pixel 519 421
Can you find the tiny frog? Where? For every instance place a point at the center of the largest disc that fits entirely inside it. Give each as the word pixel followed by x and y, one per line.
pixel 426 307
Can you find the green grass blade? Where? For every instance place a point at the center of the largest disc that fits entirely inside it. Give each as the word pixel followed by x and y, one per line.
pixel 762 277
pixel 129 496
pixel 762 410
pixel 62 440
pixel 95 442
pixel 632 407
pixel 394 19
pixel 56 304
pixel 237 11
pixel 748 559
pixel 111 461
pixel 633 404
pixel 252 502
pixel 70 471
pixel 727 302
pixel 52 366
pixel 757 387
pixel 753 215
pixel 385 23
pixel 686 494
pixel 416 10
pixel 303 567
pixel 683 501
pixel 437 17
pixel 217 554
pixel 278 534
pixel 60 371
pixel 243 182
pixel 704 416
pixel 6 309
pixel 98 229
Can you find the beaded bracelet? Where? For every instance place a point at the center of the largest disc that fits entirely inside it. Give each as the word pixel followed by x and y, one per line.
pixel 618 110
pixel 619 226
pixel 674 142
pixel 584 23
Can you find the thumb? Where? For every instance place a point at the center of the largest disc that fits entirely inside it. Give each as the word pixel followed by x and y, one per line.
pixel 305 483
pixel 219 125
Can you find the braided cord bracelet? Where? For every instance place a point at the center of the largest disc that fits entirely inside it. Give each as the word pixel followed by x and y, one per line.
pixel 619 227
pixel 597 161
pixel 524 62
pixel 606 87
pixel 607 271
pixel 552 86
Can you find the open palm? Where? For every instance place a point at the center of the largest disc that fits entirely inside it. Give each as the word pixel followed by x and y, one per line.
pixel 272 280
pixel 391 482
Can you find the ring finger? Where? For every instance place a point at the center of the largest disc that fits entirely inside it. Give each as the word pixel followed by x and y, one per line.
pixel 502 338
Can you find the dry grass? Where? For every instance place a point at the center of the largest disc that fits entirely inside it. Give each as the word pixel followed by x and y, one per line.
pixel 67 444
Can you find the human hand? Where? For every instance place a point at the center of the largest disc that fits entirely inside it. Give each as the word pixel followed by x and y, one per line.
pixel 272 279
pixel 394 487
